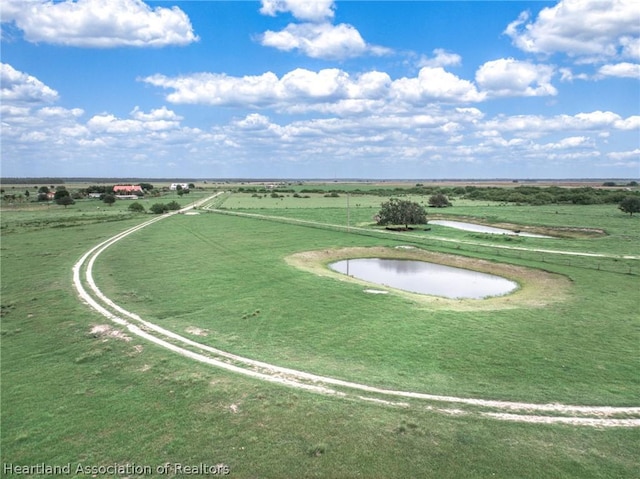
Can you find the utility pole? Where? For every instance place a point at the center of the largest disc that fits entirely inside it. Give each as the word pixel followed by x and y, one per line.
pixel 348 213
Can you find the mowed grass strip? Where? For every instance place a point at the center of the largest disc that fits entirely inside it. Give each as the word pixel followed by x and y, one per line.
pixel 228 278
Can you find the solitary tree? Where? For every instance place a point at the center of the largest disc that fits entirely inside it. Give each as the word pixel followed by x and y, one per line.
pixel 60 193
pixel 109 199
pixel 631 205
pixel 65 201
pixel 401 212
pixel 439 201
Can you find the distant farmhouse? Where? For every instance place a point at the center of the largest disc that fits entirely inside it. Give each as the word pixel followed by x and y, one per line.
pixel 127 189
pixel 174 186
pixel 128 192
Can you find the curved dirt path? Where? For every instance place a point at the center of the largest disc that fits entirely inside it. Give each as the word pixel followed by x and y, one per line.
pixel 594 416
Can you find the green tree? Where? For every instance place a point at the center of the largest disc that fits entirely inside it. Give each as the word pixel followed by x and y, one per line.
pixel 631 205
pixel 173 206
pixel 439 201
pixel 401 212
pixel 109 199
pixel 65 200
pixel 60 193
pixel 136 207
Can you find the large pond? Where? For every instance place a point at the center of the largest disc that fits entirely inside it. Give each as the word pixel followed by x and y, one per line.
pixel 482 229
pixel 426 278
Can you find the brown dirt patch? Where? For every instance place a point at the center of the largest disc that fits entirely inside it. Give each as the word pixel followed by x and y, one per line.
pixel 105 331
pixel 197 331
pixel 537 288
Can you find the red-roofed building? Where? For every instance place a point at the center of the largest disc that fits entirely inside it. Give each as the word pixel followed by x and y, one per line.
pixel 127 189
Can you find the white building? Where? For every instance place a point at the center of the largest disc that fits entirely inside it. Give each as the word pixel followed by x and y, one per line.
pixel 174 186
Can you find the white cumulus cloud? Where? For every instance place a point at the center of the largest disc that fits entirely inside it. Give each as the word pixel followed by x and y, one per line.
pixel 19 87
pixel 509 77
pixel 591 29
pixel 98 23
pixel 315 36
pixel 313 11
pixel 219 88
pixel 441 58
pixel 623 69
pixel 434 83
pixel 625 155
pixel 321 40
pixel 325 90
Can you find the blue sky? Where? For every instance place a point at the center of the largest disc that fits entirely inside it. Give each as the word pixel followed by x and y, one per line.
pixel 321 89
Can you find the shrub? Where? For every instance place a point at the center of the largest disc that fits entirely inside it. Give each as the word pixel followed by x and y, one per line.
pixel 542 199
pixel 136 207
pixel 439 201
pixel 173 206
pixel 159 208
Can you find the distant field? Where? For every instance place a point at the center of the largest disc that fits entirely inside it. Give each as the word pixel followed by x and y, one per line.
pixel 621 236
pixel 74 393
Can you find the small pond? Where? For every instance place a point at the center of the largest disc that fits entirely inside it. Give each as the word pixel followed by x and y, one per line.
pixel 426 278
pixel 482 229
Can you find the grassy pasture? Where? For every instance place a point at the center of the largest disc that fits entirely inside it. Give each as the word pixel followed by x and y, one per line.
pixel 622 232
pixel 229 276
pixel 72 396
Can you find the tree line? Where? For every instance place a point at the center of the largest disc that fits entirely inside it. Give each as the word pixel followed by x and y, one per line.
pixel 526 195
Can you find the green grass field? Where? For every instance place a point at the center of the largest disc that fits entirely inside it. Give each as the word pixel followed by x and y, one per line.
pixel 72 396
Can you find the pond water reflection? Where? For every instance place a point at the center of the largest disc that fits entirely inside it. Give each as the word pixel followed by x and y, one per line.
pixel 426 278
pixel 482 229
